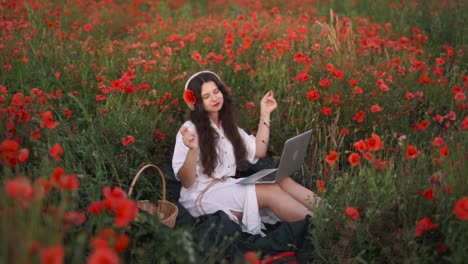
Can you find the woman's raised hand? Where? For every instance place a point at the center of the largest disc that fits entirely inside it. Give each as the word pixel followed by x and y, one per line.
pixel 268 102
pixel 189 138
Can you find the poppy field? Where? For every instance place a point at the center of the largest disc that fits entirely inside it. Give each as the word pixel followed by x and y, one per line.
pixel 90 91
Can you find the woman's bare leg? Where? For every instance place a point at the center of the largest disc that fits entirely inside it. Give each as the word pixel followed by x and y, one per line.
pixel 280 202
pixel 303 195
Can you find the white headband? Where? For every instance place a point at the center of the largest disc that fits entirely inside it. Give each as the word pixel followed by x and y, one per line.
pixel 193 76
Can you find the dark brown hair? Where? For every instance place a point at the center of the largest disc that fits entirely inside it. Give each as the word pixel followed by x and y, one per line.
pixel 207 135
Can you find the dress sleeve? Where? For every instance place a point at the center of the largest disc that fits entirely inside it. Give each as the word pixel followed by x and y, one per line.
pixel 180 152
pixel 250 144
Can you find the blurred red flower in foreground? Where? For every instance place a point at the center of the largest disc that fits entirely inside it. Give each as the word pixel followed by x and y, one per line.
pixel 53 255
pixel 103 255
pixel 332 157
pixel 424 225
pixel 461 209
pixel 251 257
pixel 21 190
pixel 352 212
pixel 127 140
pixel 115 201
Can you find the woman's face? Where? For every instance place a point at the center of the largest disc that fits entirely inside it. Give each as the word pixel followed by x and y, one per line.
pixel 212 97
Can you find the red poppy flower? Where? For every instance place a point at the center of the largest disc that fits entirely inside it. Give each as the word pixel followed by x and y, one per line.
pixel 125 212
pixel 87 27
pixel 96 207
pixel 251 257
pixel 56 151
pixel 412 152
pixel 127 140
pixel 326 111
pixel 325 82
pixel 461 209
pixel 376 108
pixel 249 105
pixel 196 56
pixel 438 141
pixel 429 194
pixel 20 190
pixel 424 225
pixel 313 95
pixel 103 255
pixel 321 186
pixel 47 120
pixel 332 157
pixel 53 254
pixel 359 116
pixel 354 159
pixel 23 156
pixel 189 97
pixel 444 151
pixel 360 145
pixel 374 143
pixel 352 212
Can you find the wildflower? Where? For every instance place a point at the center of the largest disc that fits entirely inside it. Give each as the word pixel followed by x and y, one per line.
pixel 127 140
pixel 87 27
pixel 444 151
pixel 352 212
pixel 359 116
pixel 56 151
pixel 313 94
pixel 96 207
pixel 196 56
pixel 324 82
pixel 53 254
pixel 412 152
pixel 47 120
pixel 21 190
pixel 103 255
pixel 360 145
pixel 249 105
pixel 251 257
pixel 321 186
pixel 374 143
pixel 189 97
pixel 159 135
pixel 326 111
pixel 23 156
pixel 460 97
pixel 461 209
pixel 354 159
pixel 424 225
pixel 376 108
pixel 332 157
pixel 429 194
pixel 73 218
pixel 437 142
pixel 125 212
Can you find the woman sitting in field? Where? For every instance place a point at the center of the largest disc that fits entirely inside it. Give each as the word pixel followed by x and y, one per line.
pixel 210 146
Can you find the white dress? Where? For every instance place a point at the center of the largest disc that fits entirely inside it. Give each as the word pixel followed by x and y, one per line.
pixel 223 195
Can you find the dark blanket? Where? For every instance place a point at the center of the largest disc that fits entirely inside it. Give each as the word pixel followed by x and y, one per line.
pixel 217 233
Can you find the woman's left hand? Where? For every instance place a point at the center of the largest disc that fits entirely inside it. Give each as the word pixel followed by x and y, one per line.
pixel 268 103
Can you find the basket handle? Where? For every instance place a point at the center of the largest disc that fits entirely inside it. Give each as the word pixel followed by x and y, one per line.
pixel 141 171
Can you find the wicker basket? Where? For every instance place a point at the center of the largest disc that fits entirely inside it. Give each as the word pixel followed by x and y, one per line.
pixel 166 211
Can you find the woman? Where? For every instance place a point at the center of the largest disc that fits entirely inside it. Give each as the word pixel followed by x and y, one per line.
pixel 210 146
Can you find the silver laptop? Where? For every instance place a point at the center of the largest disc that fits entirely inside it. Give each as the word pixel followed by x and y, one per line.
pixel 291 160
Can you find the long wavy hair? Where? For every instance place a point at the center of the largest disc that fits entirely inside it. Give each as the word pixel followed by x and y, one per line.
pixel 207 135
